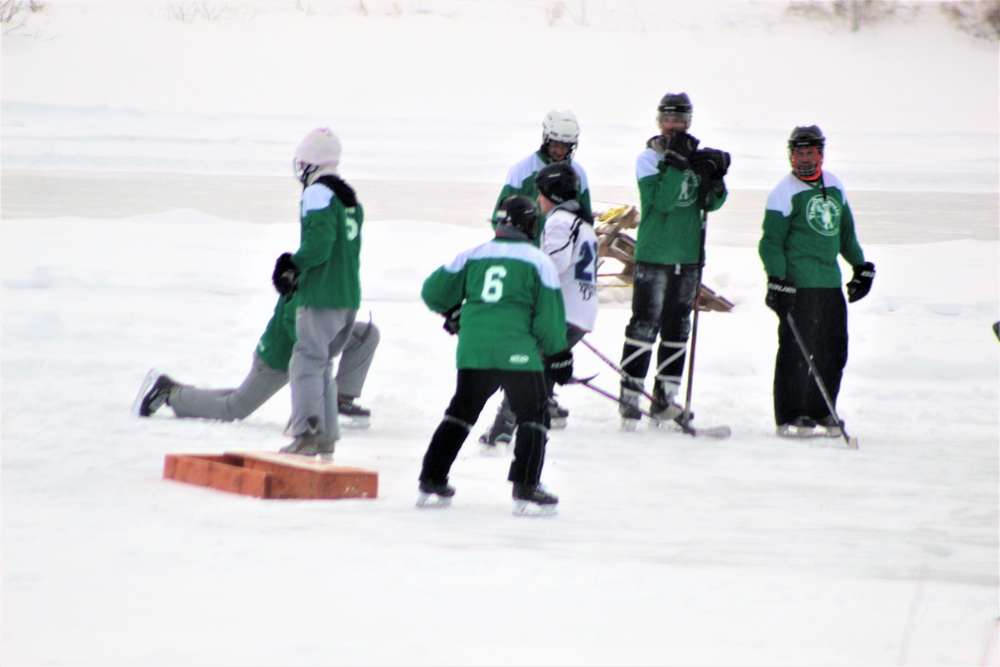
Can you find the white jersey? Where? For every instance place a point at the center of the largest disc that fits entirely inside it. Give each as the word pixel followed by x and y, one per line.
pixel 572 245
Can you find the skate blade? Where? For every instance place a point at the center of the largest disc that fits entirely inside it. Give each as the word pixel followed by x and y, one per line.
pixel 432 501
pixel 147 384
pixel 525 508
pixel 355 423
pixel 629 424
pixel 798 432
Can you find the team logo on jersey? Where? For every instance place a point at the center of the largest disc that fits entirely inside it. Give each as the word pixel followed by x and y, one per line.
pixel 689 189
pixel 519 359
pixel 823 215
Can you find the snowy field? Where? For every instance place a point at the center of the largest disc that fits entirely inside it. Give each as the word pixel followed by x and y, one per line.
pixel 146 191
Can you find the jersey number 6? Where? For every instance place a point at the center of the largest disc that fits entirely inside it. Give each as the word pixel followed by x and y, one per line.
pixel 493 284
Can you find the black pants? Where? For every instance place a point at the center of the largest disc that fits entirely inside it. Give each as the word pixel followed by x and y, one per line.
pixel 528 395
pixel 820 315
pixel 662 300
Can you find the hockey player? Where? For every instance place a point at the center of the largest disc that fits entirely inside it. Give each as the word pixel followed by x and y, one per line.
pixel 677 182
pixel 268 374
pixel 326 272
pixel 570 241
pixel 560 135
pixel 807 224
pixel 511 331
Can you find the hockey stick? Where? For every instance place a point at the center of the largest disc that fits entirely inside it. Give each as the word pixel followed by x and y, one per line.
pixel 851 442
pixel 686 415
pixel 711 432
pixel 586 383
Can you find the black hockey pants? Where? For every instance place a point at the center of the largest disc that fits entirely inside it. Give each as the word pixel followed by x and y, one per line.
pixel 821 317
pixel 662 299
pixel 528 396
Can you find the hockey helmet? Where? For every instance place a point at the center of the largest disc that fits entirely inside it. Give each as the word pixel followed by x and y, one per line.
pixel 560 126
pixel 558 182
pixel 807 168
pixel 676 104
pixel 520 213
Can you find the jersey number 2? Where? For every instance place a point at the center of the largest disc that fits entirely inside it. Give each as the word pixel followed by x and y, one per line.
pixel 586 266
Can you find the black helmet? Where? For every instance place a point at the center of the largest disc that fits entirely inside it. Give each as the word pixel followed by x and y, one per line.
pixel 804 136
pixel 558 182
pixel 520 213
pixel 678 103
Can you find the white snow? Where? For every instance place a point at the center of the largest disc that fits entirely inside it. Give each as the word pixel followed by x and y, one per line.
pixel 147 191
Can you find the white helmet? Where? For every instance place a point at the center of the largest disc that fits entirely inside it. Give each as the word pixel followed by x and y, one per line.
pixel 560 126
pixel 318 151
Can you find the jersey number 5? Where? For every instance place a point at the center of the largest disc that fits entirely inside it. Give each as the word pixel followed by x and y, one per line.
pixel 351 223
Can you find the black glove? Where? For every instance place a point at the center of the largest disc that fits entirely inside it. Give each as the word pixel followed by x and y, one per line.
pixel 859 286
pixel 710 163
pixel 451 319
pixel 675 150
pixel 286 274
pixel 559 366
pixel 780 295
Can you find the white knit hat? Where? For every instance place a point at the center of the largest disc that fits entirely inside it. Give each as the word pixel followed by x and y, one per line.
pixel 321 147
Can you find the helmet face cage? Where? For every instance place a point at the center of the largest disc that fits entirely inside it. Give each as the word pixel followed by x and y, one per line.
pixel 560 126
pixel 803 137
pixel 520 213
pixel 558 182
pixel 303 170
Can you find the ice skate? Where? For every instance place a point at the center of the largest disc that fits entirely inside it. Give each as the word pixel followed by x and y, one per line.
pixel 325 450
pixel 800 427
pixel 153 394
pixel 664 408
pixel 498 436
pixel 533 500
pixel 558 415
pixel 628 408
pixel 434 494
pixel 307 443
pixel 351 414
pixel 829 427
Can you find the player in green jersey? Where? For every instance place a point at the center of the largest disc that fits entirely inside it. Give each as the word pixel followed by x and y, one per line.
pixel 504 300
pixel 807 224
pixel 677 183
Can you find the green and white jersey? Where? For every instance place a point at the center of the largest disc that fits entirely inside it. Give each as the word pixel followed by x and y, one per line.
pixel 521 181
pixel 512 305
pixel 806 226
pixel 329 251
pixel 670 226
pixel 275 345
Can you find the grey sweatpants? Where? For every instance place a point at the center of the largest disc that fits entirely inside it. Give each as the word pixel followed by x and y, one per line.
pixel 322 334
pixel 263 382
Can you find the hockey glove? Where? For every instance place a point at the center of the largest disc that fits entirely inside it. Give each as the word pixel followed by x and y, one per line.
pixel 859 286
pixel 451 320
pixel 710 163
pixel 286 274
pixel 675 150
pixel 780 295
pixel 559 366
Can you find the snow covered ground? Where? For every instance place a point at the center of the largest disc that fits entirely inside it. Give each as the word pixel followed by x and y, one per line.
pixel 146 193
